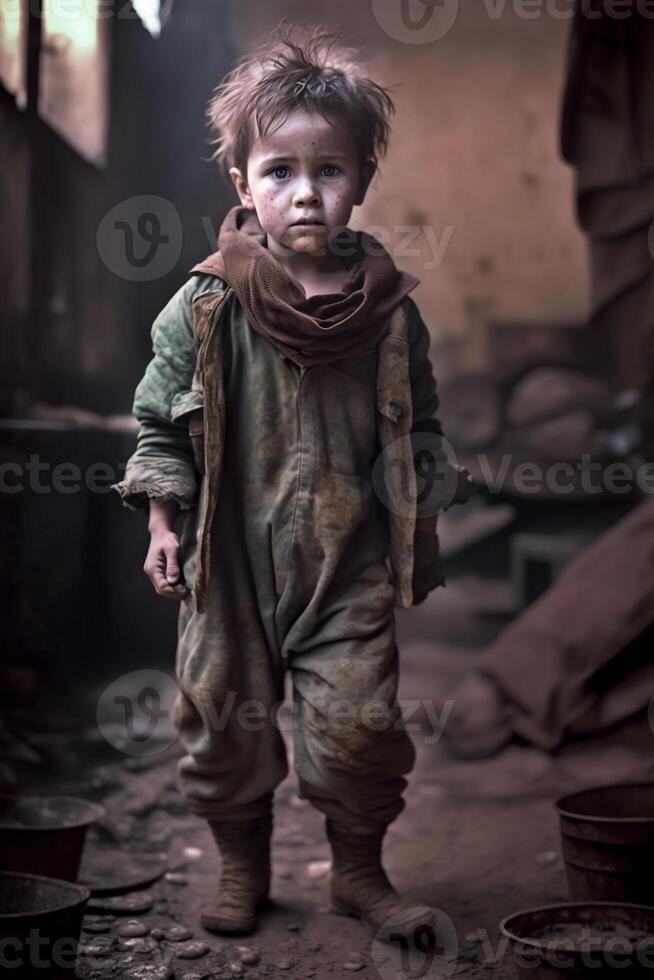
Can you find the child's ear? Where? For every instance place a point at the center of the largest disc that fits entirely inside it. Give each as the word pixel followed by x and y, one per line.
pixel 242 189
pixel 367 173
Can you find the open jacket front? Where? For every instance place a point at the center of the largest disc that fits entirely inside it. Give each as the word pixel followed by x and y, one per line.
pixel 181 406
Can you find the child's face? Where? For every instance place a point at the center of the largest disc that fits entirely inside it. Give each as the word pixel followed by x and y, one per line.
pixel 307 168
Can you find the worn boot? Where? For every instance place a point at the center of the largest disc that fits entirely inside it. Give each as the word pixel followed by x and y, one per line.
pixel 245 881
pixel 359 885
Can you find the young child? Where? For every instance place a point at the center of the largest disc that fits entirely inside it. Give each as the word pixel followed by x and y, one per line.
pixel 280 412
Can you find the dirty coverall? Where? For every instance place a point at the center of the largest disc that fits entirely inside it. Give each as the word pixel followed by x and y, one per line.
pixel 298 577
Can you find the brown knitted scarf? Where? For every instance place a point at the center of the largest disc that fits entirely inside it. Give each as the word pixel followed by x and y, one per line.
pixel 320 328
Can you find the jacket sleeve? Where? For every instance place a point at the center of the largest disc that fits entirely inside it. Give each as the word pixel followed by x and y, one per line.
pixel 162 466
pixel 440 483
pixel 424 397
pixel 454 481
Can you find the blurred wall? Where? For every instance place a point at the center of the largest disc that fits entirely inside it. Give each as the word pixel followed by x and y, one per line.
pixel 78 327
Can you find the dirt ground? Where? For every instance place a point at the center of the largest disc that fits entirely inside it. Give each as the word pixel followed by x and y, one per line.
pixel 477 841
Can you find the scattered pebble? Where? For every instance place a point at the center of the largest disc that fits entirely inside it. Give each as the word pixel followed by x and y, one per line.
pixel 145 971
pixel 295 926
pixel 237 969
pixel 353 965
pixel 193 853
pixel 123 904
pixel 314 947
pixel 157 933
pixel 177 934
pixel 133 928
pixel 95 949
pixel 175 878
pixel 248 956
pixel 284 964
pixel 316 869
pixel 140 945
pixel 547 857
pixel 97 928
pixel 191 950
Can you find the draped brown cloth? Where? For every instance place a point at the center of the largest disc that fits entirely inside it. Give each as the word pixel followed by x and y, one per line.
pixel 579 661
pixel 317 329
pixel 607 134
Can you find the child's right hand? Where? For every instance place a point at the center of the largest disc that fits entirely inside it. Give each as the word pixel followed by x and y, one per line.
pixel 162 566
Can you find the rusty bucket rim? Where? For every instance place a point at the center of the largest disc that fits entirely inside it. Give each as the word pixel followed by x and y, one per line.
pixel 82 893
pixel 97 810
pixel 560 804
pixel 557 906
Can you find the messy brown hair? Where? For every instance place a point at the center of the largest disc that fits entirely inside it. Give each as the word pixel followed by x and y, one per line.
pixel 298 68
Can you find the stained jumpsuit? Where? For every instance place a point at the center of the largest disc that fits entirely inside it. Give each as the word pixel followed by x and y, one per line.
pixel 298 581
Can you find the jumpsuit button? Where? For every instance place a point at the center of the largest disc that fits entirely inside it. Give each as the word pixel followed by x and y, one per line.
pixel 396 410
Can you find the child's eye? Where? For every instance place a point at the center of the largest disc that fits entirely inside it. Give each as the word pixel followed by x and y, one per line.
pixel 280 172
pixel 330 166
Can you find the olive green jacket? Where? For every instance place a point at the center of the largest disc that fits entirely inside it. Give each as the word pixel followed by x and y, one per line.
pixel 180 404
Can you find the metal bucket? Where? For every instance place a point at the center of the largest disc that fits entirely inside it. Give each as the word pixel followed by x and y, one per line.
pixel 44 835
pixel 40 923
pixel 607 840
pixel 582 941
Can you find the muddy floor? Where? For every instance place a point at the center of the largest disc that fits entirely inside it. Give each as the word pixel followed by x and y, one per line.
pixel 476 840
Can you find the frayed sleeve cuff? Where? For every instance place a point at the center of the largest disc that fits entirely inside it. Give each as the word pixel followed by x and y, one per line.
pixel 158 480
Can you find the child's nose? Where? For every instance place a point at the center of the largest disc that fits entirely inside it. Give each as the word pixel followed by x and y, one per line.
pixel 306 194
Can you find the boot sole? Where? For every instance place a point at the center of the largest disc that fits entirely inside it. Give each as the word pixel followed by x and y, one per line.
pixel 383 933
pixel 339 907
pixel 342 908
pixel 234 927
